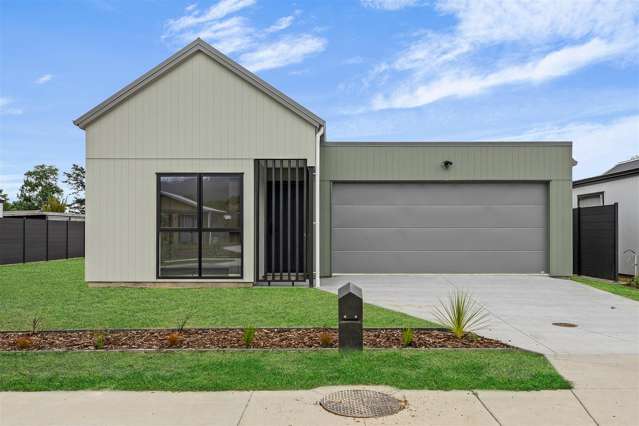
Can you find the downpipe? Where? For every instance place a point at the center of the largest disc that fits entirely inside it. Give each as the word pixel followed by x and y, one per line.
pixel 316 223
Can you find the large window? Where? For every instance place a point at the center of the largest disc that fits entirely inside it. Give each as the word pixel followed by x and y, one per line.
pixel 199 225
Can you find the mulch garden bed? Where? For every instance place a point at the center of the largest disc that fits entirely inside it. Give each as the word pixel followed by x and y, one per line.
pixel 229 338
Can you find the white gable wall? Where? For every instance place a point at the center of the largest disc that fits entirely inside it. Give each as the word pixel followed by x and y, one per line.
pixel 625 192
pixel 199 117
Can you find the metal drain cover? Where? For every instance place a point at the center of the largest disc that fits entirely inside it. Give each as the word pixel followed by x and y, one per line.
pixel 564 324
pixel 361 403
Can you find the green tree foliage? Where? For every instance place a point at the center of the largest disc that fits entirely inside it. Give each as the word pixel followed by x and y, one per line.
pixel 4 197
pixel 75 178
pixel 54 204
pixel 39 185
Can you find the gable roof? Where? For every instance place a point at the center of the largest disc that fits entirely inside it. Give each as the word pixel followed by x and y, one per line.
pixel 623 166
pixel 198 45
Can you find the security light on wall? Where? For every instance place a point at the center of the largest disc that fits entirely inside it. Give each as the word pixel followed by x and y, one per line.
pixel 446 164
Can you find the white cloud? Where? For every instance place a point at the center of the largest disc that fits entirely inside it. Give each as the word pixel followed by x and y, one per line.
pixel 225 29
pixel 596 146
pixel 554 64
pixel 388 4
pixel 191 7
pixel 281 24
pixel 286 51
pixel 43 79
pixel 215 12
pixel 564 36
pixel 6 107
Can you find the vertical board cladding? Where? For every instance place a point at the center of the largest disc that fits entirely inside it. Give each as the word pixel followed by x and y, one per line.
pixel 199 117
pixel 491 161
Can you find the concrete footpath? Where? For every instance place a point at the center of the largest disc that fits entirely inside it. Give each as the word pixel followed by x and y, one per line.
pixel 606 393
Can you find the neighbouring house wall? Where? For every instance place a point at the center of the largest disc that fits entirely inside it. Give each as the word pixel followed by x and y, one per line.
pixel 550 162
pixel 625 192
pixel 199 117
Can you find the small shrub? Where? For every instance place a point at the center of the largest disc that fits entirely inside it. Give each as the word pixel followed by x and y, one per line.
pixel 326 339
pixel 36 324
pixel 99 340
pixel 182 322
pixel 24 342
pixel 461 314
pixel 248 335
pixel 407 337
pixel 174 339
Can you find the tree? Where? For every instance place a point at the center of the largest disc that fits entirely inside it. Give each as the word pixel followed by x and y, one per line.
pixel 4 197
pixel 39 184
pixel 75 178
pixel 54 204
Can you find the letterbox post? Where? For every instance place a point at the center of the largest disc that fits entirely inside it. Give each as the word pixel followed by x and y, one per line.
pixel 350 312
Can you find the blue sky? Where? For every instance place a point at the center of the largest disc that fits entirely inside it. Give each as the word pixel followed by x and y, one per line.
pixel 373 69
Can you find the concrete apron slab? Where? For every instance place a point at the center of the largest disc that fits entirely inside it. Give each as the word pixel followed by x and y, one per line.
pixel 522 308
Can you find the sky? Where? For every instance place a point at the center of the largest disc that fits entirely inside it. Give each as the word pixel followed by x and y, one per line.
pixel 387 70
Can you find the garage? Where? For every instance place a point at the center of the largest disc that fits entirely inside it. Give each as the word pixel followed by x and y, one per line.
pixel 433 227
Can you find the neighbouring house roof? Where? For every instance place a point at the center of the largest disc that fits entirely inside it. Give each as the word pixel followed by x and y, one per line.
pixel 623 166
pixel 198 45
pixel 622 170
pixel 40 213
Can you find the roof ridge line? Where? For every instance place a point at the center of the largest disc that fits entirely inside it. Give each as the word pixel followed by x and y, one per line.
pixel 197 45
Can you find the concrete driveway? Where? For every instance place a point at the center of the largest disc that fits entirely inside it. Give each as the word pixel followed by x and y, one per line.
pixel 522 309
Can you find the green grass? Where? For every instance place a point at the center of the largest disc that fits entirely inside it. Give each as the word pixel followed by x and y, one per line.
pixel 619 289
pixel 56 291
pixel 262 370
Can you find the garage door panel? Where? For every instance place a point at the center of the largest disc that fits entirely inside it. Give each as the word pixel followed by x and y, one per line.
pixel 477 262
pixel 433 239
pixel 412 193
pixel 496 227
pixel 438 216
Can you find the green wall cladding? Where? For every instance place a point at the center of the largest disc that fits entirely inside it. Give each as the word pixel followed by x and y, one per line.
pixel 473 161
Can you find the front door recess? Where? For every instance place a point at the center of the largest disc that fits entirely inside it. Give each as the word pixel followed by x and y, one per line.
pixel 283 212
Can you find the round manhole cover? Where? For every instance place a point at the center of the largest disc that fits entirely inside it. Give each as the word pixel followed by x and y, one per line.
pixel 361 403
pixel 564 324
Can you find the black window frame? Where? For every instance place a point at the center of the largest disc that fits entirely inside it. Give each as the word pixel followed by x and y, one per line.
pixel 198 229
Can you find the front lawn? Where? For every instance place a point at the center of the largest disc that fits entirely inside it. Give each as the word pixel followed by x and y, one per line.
pixel 619 289
pixel 264 370
pixel 56 291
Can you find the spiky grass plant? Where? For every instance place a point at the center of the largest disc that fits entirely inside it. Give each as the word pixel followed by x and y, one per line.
pixel 461 314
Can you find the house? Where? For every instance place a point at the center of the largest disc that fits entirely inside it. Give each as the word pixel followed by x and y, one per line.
pixel 39 214
pixel 201 172
pixel 618 185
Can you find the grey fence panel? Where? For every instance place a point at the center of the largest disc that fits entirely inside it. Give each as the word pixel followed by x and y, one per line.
pixel 35 236
pixel 596 239
pixel 57 239
pixel 76 239
pixel 11 241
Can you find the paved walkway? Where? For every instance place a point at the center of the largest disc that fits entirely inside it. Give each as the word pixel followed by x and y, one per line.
pixel 606 393
pixel 522 309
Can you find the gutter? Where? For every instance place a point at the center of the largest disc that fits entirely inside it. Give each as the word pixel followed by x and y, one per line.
pixel 316 223
pixel 604 178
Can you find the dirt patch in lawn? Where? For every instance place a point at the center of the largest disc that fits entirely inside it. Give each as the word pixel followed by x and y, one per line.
pixel 229 338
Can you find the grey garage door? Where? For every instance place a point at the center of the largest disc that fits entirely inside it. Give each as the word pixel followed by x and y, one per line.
pixel 439 227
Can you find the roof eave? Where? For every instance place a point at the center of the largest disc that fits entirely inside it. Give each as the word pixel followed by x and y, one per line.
pixel 604 178
pixel 198 45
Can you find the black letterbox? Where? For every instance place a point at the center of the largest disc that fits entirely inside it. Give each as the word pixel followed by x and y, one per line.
pixel 350 312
